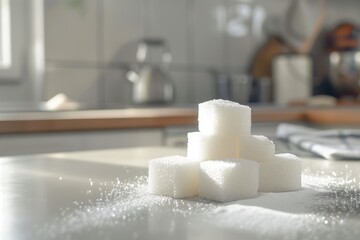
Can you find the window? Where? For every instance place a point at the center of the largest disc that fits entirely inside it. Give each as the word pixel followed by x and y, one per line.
pixel 11 39
pixel 5 35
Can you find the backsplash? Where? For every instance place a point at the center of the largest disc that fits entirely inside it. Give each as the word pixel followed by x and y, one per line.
pixel 89 42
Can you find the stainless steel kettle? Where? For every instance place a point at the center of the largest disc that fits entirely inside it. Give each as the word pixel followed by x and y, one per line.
pixel 152 83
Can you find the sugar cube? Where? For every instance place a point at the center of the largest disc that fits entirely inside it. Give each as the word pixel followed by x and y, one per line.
pixel 281 174
pixel 228 180
pixel 222 117
pixel 256 147
pixel 211 147
pixel 174 176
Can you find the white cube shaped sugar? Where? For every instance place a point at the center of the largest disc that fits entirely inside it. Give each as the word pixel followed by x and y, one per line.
pixel 174 176
pixel 228 180
pixel 280 175
pixel 210 147
pixel 222 117
pixel 256 147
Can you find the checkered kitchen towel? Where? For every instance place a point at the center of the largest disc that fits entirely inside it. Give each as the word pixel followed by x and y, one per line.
pixel 331 144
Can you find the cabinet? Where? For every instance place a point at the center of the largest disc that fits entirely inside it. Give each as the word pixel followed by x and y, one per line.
pixel 21 144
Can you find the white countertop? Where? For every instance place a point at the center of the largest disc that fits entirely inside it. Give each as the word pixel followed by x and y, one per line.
pixel 103 195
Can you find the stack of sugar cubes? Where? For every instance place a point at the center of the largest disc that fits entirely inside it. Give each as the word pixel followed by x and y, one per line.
pixel 224 161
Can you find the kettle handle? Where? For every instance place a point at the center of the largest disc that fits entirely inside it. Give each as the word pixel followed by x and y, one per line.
pixel 146 43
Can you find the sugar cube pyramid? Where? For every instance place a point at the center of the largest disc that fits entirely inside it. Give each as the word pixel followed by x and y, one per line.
pixel 224 161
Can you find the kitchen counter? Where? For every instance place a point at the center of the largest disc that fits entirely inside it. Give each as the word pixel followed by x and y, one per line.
pixel 103 195
pixel 85 120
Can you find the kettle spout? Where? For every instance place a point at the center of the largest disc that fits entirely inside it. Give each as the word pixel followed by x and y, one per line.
pixel 132 76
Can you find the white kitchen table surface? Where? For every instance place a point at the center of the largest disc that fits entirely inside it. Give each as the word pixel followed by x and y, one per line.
pixel 103 195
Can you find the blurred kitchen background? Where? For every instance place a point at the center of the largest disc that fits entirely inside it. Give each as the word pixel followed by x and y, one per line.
pixel 85 48
pixel 125 54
